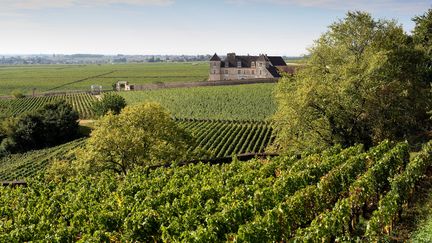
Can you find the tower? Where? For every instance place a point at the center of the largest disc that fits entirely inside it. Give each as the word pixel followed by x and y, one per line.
pixel 215 68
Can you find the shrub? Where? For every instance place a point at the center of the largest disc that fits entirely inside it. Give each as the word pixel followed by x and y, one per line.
pixel 109 102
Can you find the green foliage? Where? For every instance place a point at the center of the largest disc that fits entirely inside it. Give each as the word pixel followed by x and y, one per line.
pixel 239 138
pixel 254 201
pixel 29 164
pixel 402 188
pixel 239 102
pixel 110 102
pixel 53 124
pixel 225 138
pixel 422 36
pixel 362 84
pixel 190 203
pixel 17 94
pixel 341 222
pixel 48 78
pixel 144 134
pixel 82 103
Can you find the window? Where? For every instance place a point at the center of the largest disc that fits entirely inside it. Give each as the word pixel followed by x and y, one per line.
pixel 226 71
pixel 239 71
pixel 260 64
pixel 260 72
pixel 214 71
pixel 253 72
pixel 244 72
pixel 214 63
pixel 238 63
pixel 253 64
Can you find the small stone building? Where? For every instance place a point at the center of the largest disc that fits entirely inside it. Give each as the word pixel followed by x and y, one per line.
pixel 246 67
pixel 124 85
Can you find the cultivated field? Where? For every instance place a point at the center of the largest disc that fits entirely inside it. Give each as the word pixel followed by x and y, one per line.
pixel 252 102
pixel 48 78
pixel 329 196
pixel 82 103
pixel 20 166
pixel 219 138
pixel 240 102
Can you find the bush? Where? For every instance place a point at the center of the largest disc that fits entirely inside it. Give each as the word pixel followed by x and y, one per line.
pixel 17 94
pixel 109 102
pixel 55 123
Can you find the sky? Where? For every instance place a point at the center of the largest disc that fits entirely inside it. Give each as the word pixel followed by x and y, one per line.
pixel 190 27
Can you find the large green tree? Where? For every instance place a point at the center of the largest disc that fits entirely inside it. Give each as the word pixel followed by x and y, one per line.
pixel 53 124
pixel 140 135
pixel 361 85
pixel 422 37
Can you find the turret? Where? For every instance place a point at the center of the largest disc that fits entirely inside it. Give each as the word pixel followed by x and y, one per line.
pixel 215 68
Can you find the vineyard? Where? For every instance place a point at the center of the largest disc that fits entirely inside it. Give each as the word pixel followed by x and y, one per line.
pixel 219 138
pixel 20 166
pixel 240 102
pixel 48 78
pixel 225 138
pixel 243 102
pixel 337 195
pixel 82 103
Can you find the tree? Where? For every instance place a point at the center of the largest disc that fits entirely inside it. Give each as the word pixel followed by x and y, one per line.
pixel 109 102
pixel 140 135
pixel 422 34
pixel 53 124
pixel 361 85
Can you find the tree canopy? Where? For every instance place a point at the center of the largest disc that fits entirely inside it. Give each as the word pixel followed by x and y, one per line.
pixel 109 102
pixel 140 135
pixel 362 84
pixel 53 124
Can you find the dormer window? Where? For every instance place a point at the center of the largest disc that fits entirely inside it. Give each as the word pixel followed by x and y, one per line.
pixel 253 64
pixel 239 64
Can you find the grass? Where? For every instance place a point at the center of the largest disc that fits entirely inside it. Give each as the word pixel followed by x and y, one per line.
pixel 416 220
pixel 46 78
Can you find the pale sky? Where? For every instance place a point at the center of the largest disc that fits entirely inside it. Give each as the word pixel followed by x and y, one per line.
pixel 275 27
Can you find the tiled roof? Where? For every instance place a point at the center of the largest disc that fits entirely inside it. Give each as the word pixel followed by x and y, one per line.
pixel 232 60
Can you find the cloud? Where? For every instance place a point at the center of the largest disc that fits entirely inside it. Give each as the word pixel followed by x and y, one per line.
pixel 368 5
pixel 14 5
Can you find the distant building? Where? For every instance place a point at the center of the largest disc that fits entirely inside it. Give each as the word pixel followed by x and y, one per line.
pixel 246 67
pixel 124 85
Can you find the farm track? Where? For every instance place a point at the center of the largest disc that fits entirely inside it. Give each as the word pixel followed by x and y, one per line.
pixel 80 80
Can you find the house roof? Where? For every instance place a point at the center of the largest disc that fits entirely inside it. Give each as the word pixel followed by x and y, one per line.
pixel 215 57
pixel 274 71
pixel 277 60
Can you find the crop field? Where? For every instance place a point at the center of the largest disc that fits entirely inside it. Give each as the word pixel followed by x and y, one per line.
pixel 20 166
pixel 48 78
pixel 253 102
pixel 225 138
pixel 219 138
pixel 239 102
pixel 339 194
pixel 82 103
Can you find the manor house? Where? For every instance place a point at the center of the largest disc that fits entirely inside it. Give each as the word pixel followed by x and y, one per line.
pixel 246 67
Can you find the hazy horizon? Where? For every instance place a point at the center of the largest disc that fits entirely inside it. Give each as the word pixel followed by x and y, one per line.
pixel 180 27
